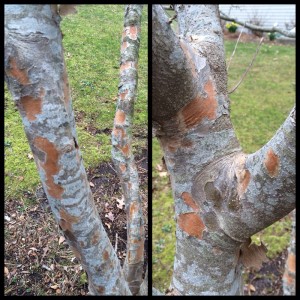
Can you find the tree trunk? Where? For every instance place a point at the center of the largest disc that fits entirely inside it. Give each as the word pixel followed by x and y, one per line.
pixel 36 76
pixel 222 195
pixel 122 152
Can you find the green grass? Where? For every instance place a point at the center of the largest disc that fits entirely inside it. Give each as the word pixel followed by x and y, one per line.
pixel 258 107
pixel 92 41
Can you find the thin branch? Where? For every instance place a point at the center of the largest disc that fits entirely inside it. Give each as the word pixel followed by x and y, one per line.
pixel 116 243
pixel 171 19
pixel 122 155
pixel 258 28
pixel 249 67
pixel 235 48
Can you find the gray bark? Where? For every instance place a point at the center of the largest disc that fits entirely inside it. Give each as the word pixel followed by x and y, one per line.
pixel 36 76
pixel 222 195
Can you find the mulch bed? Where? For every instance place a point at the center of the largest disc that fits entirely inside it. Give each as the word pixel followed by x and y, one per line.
pixel 37 259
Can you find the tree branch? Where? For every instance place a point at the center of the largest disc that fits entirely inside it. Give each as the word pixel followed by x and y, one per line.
pixel 121 150
pixel 249 67
pixel 258 28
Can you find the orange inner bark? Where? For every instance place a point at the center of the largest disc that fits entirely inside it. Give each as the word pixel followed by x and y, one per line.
pixel 20 75
pixel 272 163
pixel 50 166
pixel 245 181
pixel 32 106
pixel 120 117
pixel 199 108
pixel 192 224
pixel 188 199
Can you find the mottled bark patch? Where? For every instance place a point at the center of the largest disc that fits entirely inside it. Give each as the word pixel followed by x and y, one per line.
pixel 245 179
pixel 95 237
pixel 66 220
pixel 133 32
pixel 128 65
pixel 50 165
pixel 199 108
pixel 105 255
pixel 291 263
pixel 119 133
pixel 188 199
pixel 100 289
pixel 32 106
pixel 20 75
pixel 125 150
pixel 120 117
pixel 272 163
pixel 133 209
pixel 122 167
pixel 123 95
pixel 124 46
pixel 192 224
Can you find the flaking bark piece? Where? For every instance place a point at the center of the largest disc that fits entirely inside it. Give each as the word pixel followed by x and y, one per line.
pixel 253 255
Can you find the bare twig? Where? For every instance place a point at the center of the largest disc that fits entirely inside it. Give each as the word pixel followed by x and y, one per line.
pixel 235 48
pixel 116 243
pixel 171 19
pixel 249 67
pixel 258 28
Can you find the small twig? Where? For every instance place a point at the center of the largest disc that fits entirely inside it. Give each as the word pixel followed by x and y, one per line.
pixel 116 243
pixel 112 167
pixel 249 67
pixel 171 19
pixel 235 48
pixel 141 160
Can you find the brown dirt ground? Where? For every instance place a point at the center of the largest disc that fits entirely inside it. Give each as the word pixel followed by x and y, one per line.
pixel 36 261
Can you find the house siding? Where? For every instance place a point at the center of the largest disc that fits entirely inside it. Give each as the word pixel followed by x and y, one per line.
pixel 268 14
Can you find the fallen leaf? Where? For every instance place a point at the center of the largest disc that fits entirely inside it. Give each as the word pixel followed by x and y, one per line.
pixel 91 184
pixel 121 203
pixel 45 250
pixel 110 216
pixel 30 156
pixel 61 240
pixel 159 167
pixel 33 249
pixel 251 288
pixel 163 174
pixel 54 287
pixel 253 255
pixel 6 272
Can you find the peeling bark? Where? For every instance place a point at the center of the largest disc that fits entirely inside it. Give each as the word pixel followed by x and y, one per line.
pixel 222 195
pixel 122 152
pixel 36 77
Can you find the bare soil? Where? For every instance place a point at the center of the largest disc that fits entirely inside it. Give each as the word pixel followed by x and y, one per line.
pixel 37 259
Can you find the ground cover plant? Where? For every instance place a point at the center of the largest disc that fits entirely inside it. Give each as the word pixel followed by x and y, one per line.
pixel 37 260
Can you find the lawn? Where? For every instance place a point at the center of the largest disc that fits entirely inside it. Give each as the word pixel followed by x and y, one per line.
pixel 258 107
pixel 37 260
pixel 92 53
